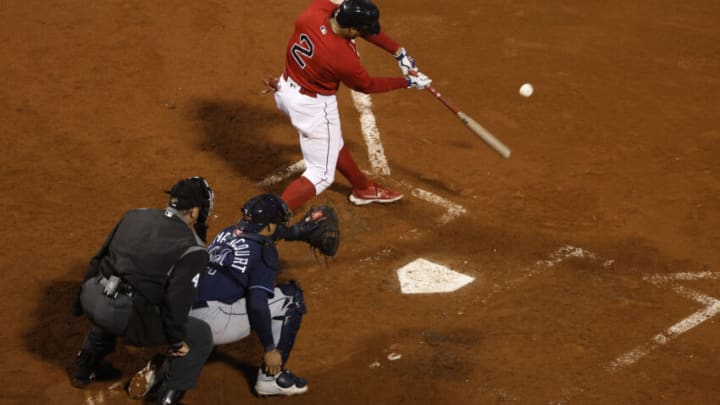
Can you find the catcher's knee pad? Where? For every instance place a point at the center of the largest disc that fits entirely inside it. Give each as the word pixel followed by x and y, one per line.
pixel 294 292
pixel 295 309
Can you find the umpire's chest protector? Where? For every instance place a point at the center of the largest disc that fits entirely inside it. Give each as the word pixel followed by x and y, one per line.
pixel 144 249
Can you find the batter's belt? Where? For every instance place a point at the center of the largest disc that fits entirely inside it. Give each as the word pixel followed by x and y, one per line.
pixel 296 86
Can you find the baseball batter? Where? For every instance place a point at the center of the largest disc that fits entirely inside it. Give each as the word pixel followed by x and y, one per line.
pixel 321 54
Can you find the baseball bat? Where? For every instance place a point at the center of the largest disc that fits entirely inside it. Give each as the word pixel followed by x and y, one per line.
pixel 473 125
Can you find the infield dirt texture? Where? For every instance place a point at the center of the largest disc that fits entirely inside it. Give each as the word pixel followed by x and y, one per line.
pixel 594 248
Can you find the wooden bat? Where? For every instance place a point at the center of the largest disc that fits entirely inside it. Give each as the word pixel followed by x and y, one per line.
pixel 472 125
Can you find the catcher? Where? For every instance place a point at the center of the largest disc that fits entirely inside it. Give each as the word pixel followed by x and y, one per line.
pixel 237 292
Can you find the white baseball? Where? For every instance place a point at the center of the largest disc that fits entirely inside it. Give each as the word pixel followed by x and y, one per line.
pixel 526 90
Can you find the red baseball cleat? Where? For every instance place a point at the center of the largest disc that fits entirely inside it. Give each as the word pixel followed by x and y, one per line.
pixel 374 193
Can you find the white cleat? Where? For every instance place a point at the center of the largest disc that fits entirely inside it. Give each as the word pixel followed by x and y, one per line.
pixel 285 383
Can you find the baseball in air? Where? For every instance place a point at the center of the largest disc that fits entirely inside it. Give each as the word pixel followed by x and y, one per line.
pixel 526 90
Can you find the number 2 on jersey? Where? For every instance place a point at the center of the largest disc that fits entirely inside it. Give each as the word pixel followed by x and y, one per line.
pixel 303 49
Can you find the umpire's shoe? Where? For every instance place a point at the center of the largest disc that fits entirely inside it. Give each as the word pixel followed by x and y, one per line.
pixel 89 369
pixel 170 397
pixel 285 383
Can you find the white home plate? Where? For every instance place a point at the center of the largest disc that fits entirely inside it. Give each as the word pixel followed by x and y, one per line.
pixel 423 276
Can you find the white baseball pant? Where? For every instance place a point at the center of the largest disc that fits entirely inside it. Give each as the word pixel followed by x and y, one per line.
pixel 318 123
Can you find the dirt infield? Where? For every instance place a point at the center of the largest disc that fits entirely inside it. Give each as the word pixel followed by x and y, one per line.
pixel 593 248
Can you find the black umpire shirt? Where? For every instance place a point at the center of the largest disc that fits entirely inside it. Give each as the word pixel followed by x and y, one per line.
pixel 161 257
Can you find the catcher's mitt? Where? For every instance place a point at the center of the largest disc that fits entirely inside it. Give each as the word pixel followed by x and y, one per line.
pixel 319 228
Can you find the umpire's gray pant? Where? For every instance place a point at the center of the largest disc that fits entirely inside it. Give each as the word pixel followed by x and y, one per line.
pixel 110 317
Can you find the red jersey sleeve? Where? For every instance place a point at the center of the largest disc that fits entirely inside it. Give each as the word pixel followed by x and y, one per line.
pixel 353 75
pixel 384 41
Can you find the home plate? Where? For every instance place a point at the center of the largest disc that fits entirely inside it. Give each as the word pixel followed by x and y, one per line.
pixel 425 277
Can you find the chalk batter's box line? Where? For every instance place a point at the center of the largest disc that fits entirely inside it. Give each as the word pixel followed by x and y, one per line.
pixel 711 308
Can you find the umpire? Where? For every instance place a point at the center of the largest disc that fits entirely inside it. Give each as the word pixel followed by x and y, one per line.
pixel 141 285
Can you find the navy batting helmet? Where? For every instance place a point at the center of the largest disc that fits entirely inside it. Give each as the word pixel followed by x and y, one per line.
pixel 262 210
pixel 362 15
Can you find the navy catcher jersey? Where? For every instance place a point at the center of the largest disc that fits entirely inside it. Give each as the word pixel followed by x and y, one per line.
pixel 237 265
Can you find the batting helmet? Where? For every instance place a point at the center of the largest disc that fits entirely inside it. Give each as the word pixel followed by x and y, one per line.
pixel 262 210
pixel 193 192
pixel 362 15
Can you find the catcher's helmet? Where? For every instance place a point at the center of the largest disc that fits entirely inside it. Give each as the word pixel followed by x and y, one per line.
pixel 193 192
pixel 262 210
pixel 362 15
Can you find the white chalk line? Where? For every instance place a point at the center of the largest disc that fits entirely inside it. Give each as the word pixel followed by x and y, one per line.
pixel 371 134
pixel 569 251
pixel 282 174
pixel 563 253
pixel 452 210
pixel 660 278
pixel 99 397
pixel 710 309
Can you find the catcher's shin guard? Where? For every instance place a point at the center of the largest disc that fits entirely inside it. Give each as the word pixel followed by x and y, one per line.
pixel 292 318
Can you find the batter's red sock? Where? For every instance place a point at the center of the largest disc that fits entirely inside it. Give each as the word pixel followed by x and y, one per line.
pixel 347 166
pixel 298 192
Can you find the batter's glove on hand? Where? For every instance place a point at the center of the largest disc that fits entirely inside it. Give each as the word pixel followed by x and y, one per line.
pixel 418 81
pixel 320 228
pixel 406 63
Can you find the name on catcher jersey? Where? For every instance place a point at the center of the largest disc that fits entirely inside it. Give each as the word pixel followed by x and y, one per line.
pixel 236 265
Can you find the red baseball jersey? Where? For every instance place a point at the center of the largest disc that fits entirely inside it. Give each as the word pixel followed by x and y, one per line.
pixel 319 60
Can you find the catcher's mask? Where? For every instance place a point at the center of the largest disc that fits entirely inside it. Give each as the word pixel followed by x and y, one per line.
pixel 262 210
pixel 193 192
pixel 362 15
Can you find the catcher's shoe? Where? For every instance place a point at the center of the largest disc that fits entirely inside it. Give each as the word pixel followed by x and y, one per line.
pixel 145 380
pixel 374 193
pixel 284 383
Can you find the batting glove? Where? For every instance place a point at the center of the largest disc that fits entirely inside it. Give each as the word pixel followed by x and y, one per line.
pixel 418 81
pixel 406 63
